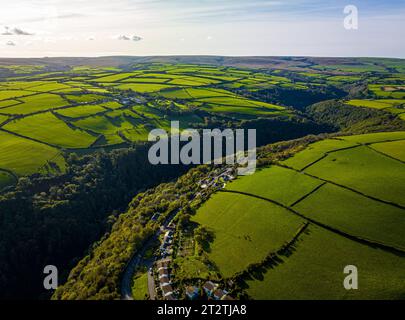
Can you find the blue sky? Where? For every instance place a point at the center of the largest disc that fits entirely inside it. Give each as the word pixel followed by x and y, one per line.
pixel 36 28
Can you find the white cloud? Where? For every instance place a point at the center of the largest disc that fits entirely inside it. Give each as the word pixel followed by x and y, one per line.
pixel 123 37
pixel 16 32
pixel 128 38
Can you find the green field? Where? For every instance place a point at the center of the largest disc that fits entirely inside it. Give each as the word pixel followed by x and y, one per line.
pixel 140 286
pixel 376 137
pixel 143 87
pixel 244 224
pixel 276 183
pixel 351 168
pixel 79 112
pixel 11 94
pixel 285 232
pixel 395 149
pixel 346 220
pixel 395 106
pixel 33 104
pixel 316 151
pixel 315 271
pixel 47 128
pixel 31 155
pixel 356 215
pixel 101 125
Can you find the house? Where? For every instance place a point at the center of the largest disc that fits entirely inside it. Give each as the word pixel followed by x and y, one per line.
pixel 164 280
pixel 163 273
pixel 167 290
pixel 163 267
pixel 219 294
pixel 209 288
pixel 192 292
pixel 167 238
pixel 162 263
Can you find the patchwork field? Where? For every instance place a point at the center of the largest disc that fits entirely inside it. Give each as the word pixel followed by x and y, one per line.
pixel 48 128
pixel 395 106
pixel 314 270
pixel 32 156
pixel 244 224
pixel 285 232
pixel 349 189
pixel 97 107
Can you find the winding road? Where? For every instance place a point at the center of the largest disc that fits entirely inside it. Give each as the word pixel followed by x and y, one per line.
pixel 133 264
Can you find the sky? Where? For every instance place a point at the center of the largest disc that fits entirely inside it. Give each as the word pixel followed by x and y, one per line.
pixel 39 28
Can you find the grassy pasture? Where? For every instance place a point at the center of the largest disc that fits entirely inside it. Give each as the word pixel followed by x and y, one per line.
pixel 73 91
pixel 11 94
pixel 315 271
pixel 316 151
pixel 395 149
pixel 375 104
pixel 344 78
pixel 85 98
pixel 3 118
pixel 81 111
pixel 355 214
pixel 352 168
pixel 276 183
pixel 111 105
pixel 140 286
pixel 376 137
pixel 175 94
pixel 103 125
pixel 198 93
pixel 23 156
pixel 19 84
pixel 8 103
pixel 50 86
pixel 228 101
pixel 239 112
pixel 114 77
pixel 38 102
pixel 145 80
pixel 143 87
pixel 48 128
pixel 395 110
pixel 240 102
pixel 392 91
pixel 99 124
pixel 244 224
pixel 193 81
